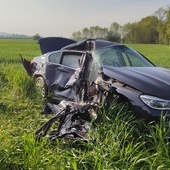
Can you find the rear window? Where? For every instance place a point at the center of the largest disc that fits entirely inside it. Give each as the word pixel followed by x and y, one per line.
pixel 55 57
pixel 71 60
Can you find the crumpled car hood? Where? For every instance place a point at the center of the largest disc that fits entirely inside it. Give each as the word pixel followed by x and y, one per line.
pixel 150 80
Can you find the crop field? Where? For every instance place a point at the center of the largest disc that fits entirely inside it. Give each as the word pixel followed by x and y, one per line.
pixel 117 142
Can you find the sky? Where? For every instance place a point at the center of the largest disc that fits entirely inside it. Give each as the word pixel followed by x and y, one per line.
pixel 63 17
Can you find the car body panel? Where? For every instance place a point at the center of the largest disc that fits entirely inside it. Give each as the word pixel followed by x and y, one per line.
pixel 49 44
pixel 58 77
pixel 140 109
pixel 138 78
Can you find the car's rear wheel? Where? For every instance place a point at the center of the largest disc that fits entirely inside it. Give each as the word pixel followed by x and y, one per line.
pixel 41 86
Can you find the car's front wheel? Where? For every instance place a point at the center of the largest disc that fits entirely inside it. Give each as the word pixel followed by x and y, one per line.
pixel 41 86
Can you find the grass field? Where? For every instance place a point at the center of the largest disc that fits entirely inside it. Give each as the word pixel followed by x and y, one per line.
pixel 118 142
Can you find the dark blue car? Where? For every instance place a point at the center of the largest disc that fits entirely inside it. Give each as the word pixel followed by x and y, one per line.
pixel 98 70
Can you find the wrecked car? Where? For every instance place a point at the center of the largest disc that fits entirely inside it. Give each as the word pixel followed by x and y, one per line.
pixel 96 70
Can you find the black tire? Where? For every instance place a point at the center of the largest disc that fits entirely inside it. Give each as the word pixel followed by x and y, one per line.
pixel 41 86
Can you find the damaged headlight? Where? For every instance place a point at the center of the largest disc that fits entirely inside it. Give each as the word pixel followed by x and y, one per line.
pixel 155 102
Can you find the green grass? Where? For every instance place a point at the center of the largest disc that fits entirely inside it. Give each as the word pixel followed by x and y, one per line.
pixel 118 142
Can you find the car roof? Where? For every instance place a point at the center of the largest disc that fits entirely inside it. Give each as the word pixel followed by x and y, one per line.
pixel 90 44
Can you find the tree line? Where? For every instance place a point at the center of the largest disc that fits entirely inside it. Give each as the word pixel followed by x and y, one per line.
pixel 151 29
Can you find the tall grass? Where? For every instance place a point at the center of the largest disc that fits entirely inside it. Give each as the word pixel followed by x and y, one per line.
pixel 117 142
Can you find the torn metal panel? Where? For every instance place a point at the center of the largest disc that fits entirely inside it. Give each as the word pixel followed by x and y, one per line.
pixel 74 120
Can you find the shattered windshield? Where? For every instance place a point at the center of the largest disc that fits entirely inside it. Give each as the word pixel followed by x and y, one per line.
pixel 119 56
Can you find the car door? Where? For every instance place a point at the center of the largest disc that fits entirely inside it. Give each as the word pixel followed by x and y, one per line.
pixel 63 71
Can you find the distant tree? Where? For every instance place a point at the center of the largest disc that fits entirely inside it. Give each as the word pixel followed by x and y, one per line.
pixel 125 32
pixel 92 32
pixel 113 37
pixel 148 26
pixel 77 36
pixel 114 33
pixel 161 14
pixel 163 28
pixel 168 33
pixel 129 33
pixel 144 31
pixel 98 32
pixel 168 15
pixel 37 36
pixel 115 28
pixel 151 29
pixel 104 33
pixel 86 33
pixel 95 32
